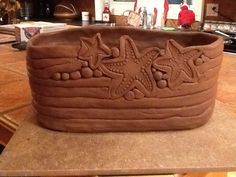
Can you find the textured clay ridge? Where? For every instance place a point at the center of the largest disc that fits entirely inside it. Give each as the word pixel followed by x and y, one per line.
pixel 123 79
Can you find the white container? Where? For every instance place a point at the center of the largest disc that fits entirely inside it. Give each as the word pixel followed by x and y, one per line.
pixel 99 7
pixel 25 31
pixel 85 16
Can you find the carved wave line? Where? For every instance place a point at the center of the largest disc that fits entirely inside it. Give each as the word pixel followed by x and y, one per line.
pixel 212 73
pixel 150 113
pixel 96 125
pixel 210 64
pixel 47 62
pixel 49 71
pixel 41 52
pixel 91 82
pixel 80 102
pixel 188 90
pixel 103 92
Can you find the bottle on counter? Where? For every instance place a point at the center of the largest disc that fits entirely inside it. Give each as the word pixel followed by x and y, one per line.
pixel 47 10
pixel 99 7
pixel 106 14
pixel 145 16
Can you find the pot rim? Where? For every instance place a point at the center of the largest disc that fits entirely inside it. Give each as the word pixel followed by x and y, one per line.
pixel 32 42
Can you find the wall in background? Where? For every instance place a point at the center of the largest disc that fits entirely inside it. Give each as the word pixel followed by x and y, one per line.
pixel 81 5
pixel 86 5
pixel 226 7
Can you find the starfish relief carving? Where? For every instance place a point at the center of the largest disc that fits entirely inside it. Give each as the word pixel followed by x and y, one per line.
pixel 93 50
pixel 131 69
pixel 178 63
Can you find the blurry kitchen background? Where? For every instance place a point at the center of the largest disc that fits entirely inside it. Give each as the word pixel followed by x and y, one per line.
pixel 224 11
pixel 217 16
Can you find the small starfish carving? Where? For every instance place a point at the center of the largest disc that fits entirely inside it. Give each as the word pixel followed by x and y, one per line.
pixel 93 50
pixel 178 62
pixel 131 69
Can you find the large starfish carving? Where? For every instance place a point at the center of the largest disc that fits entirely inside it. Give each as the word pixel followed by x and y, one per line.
pixel 93 50
pixel 178 63
pixel 131 69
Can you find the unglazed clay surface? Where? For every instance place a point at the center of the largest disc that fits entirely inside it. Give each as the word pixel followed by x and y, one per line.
pixel 123 79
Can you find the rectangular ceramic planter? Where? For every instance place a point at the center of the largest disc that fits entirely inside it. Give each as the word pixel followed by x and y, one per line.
pixel 101 79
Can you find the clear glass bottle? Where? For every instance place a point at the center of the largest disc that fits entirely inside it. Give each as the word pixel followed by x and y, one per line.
pixel 145 16
pixel 47 10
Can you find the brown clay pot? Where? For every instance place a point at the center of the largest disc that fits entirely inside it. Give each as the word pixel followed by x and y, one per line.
pixel 102 79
